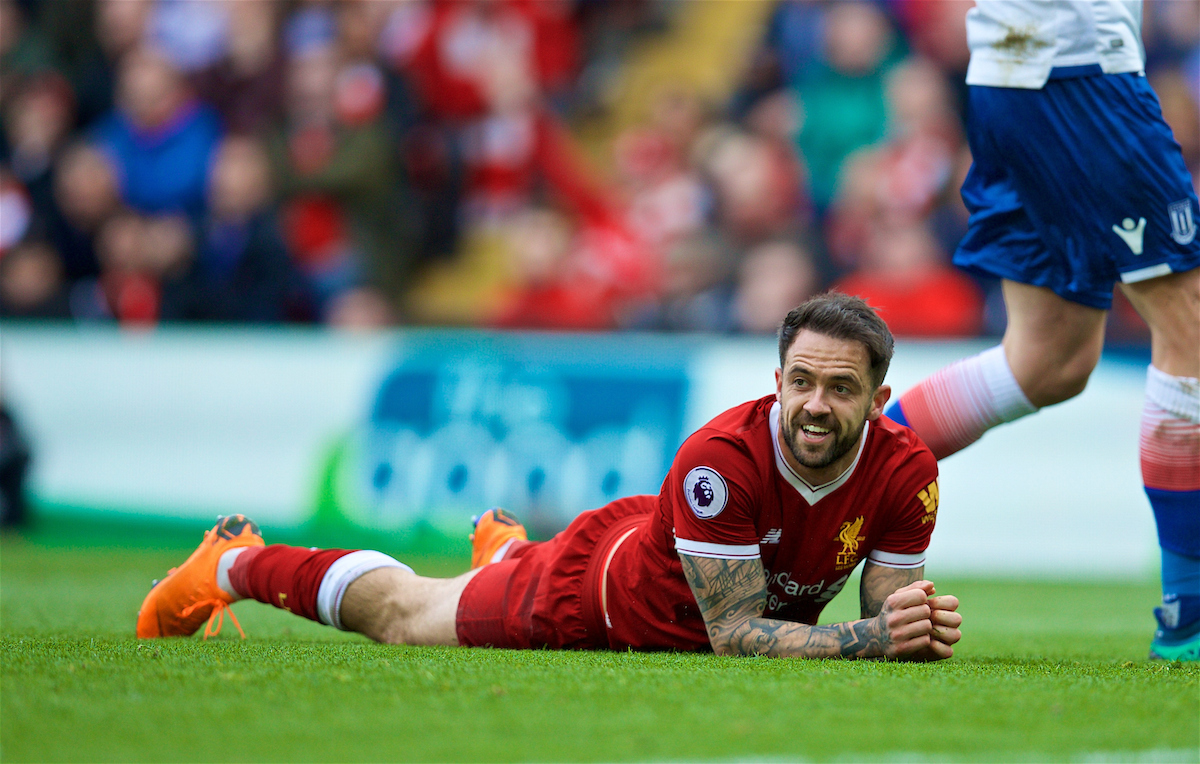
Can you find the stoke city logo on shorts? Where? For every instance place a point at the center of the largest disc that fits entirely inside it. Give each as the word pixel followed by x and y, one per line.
pixel 706 492
pixel 1183 226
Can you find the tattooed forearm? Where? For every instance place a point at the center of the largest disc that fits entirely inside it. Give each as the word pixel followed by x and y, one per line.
pixel 768 636
pixel 879 581
pixel 867 639
pixel 732 595
pixel 726 590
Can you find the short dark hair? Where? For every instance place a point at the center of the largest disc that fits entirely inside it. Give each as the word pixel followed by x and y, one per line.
pixel 845 318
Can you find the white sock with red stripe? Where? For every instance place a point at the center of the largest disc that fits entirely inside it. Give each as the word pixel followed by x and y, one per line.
pixel 1170 420
pixel 1170 454
pixel 955 406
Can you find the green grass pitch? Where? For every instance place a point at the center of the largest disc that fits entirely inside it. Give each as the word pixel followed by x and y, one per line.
pixel 1045 672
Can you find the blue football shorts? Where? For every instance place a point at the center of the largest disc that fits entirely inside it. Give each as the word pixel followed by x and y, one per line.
pixel 1076 186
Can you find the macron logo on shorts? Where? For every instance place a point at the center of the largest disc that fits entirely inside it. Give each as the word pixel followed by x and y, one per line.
pixel 1131 233
pixel 705 491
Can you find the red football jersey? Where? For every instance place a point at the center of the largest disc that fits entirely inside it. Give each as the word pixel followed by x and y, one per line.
pixel 730 494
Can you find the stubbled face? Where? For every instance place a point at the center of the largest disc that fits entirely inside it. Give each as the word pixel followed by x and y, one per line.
pixel 825 398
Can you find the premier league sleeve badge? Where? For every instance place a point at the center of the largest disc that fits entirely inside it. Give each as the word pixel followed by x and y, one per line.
pixel 706 492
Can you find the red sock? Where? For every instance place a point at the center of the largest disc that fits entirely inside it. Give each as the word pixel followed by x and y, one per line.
pixel 287 577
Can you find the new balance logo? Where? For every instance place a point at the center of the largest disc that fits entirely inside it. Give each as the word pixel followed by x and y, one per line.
pixel 1131 233
pixel 772 536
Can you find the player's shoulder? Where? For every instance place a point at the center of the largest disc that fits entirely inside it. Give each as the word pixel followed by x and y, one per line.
pixel 739 432
pixel 909 484
pixel 897 443
pixel 743 424
pixel 723 463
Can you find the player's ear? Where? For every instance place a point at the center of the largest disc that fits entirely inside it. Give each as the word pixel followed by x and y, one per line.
pixel 778 384
pixel 882 394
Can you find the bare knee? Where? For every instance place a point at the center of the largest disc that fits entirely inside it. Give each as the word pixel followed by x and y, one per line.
pixel 378 606
pixel 1064 380
pixel 393 623
pixel 1171 306
pixel 1051 344
pixel 1048 377
pixel 397 606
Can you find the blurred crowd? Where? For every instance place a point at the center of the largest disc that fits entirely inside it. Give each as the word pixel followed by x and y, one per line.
pixel 316 161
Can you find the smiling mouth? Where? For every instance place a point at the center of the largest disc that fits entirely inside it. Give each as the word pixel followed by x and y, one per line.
pixel 815 433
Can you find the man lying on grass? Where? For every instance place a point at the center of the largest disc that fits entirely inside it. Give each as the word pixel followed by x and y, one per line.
pixel 764 514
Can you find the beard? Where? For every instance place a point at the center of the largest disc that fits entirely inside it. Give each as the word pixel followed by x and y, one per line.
pixel 840 445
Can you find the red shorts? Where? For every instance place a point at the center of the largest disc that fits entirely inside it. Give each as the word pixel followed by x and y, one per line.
pixel 550 594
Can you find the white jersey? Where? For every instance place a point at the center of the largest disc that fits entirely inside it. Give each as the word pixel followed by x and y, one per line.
pixel 1015 43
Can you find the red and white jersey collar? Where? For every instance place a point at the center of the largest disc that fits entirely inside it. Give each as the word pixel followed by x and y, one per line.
pixel 811 493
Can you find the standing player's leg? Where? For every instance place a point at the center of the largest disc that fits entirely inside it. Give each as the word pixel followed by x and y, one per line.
pixel 1074 187
pixel 1050 347
pixel 1025 165
pixel 232 563
pixel 1170 452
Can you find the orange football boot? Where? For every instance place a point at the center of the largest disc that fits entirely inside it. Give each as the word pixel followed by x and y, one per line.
pixel 189 595
pixel 493 529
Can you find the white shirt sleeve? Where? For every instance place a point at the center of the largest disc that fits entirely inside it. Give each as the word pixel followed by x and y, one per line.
pixel 893 560
pixel 719 551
